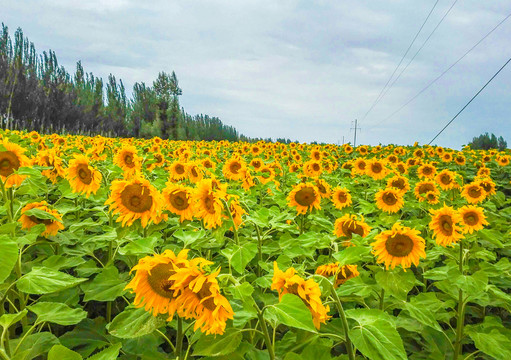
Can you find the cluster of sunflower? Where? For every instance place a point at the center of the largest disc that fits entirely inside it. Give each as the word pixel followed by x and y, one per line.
pixel 168 284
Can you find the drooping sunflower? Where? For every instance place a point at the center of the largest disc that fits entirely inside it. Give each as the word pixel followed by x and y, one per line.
pixel 178 200
pixel 342 273
pixel 304 196
pixel 11 159
pixel 200 298
pixel 82 177
pixel 128 160
pixel 472 218
pixel 351 224
pixel 234 169
pixel 134 199
pixel 50 158
pixel 400 246
pixel 308 291
pixel 52 222
pixel 389 200
pixel 446 179
pixel 207 202
pixel 400 183
pixel 152 285
pixel 474 193
pixel 445 224
pixel 341 198
pixel 248 180
pixel 423 187
pixel 236 211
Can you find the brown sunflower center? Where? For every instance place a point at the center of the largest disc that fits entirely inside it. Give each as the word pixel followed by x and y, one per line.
pixel 84 174
pixel 9 162
pixel 351 227
pixel 471 218
pixel 207 164
pixel 136 198
pixel 376 168
pixel 179 200
pixel 474 192
pixel 445 179
pixel 305 196
pixel 342 197
pixel 179 169
pixel 235 167
pixel 194 172
pixel 316 167
pixel 361 165
pixel 398 183
pixel 389 198
pixel 446 225
pixel 158 158
pixel 205 293
pixel 209 203
pixel 486 186
pixel 159 281
pixel 424 188
pixel 40 221
pixel 128 160
pixel 399 245
pixel 427 170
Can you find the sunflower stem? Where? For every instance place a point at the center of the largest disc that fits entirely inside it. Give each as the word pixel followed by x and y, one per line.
pixel 461 312
pixel 338 304
pixel 267 338
pixel 259 250
pixel 179 338
pixel 302 221
pixel 234 230
pixel 382 299
pixel 6 199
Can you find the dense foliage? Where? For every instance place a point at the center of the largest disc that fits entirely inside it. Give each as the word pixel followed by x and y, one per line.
pixel 155 249
pixel 487 142
pixel 38 94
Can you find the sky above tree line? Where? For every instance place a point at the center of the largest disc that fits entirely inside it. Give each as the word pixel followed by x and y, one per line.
pixel 302 70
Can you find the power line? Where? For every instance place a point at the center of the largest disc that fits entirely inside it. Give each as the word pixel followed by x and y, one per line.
pixel 402 58
pixel 417 52
pixel 442 74
pixel 473 97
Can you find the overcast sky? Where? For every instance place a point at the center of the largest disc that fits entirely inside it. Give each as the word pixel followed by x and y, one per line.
pixel 302 70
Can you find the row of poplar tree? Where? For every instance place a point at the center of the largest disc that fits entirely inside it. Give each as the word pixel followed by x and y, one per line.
pixel 38 94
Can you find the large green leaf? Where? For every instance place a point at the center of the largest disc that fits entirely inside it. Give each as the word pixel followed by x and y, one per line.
pixel 8 256
pixel 493 343
pixel 106 286
pixel 291 311
pixel 132 323
pixel 351 255
pixel 43 280
pixel 6 320
pixel 59 352
pixel 86 337
pixel 57 313
pixel 396 282
pixel 240 256
pixel 33 345
pixel 40 214
pixel 210 345
pixel 375 335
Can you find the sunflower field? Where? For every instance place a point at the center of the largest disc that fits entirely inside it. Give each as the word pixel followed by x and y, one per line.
pixel 155 249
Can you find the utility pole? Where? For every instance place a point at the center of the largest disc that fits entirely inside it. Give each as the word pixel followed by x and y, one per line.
pixel 355 137
pixel 343 140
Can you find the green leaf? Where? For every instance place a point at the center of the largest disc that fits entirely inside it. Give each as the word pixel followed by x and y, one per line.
pixel 8 256
pixel 106 286
pixel 86 337
pixel 493 343
pixel 59 352
pixel 57 313
pixel 422 314
pixel 43 280
pixel 240 256
pixel 189 237
pixel 375 335
pixel 34 345
pixel 40 214
pixel 6 320
pixel 210 345
pixel 110 353
pixel 132 323
pixel 291 311
pixel 143 246
pixel 396 282
pixel 351 255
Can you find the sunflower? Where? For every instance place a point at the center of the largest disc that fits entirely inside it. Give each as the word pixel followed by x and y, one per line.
pixel 236 211
pixel 399 246
pixel 503 160
pixel 474 193
pixel 323 187
pixel 312 168
pixel 431 197
pixel 376 169
pixel 267 174
pixel 423 187
pixel 472 218
pixel 341 198
pixel 194 171
pixel 349 224
pixel 488 185
pixel 208 164
pixel 460 159
pixel 305 196
pixel 445 224
pixel 177 170
pixel 483 172
pixel 359 167
pixel 389 200
pixel 207 202
pixel 199 298
pixel 307 290
pixel 151 284
pixel 234 169
pixel 426 171
pixel 248 180
pixel 50 158
pixel 178 200
pixel 11 159
pixel 445 179
pixel 401 167
pixel 134 199
pixel 52 222
pixel 400 183
pixel 256 163
pixel 82 177
pixel 128 160
pixel 342 273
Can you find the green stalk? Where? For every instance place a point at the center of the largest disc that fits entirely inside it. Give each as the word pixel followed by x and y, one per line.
pixel 267 338
pixel 179 339
pixel 259 249
pixel 382 298
pixel 234 230
pixel 461 312
pixel 338 304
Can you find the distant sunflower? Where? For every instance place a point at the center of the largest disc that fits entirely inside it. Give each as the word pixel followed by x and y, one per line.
pixel 342 273
pixel 483 172
pixel 488 185
pixel 446 179
pixel 399 246
pixel 426 171
pixel 474 193
pixel 177 170
pixel 400 183
pixel 53 222
pixel 341 198
pixel 445 224
pixel 432 197
pixel 503 160
pixel 472 218
pixel 134 199
pixel 208 164
pixel 401 167
pixel 194 171
pixel 350 224
pixel 460 159
pixel 312 168
pixel 308 291
pixel 128 160
pixel 360 165
pixel 178 200
pixel 11 159
pixel 389 200
pixel 305 197
pixel 151 284
pixel 376 169
pixel 423 187
pixel 267 174
pixel 323 187
pixel 234 169
pixel 207 202
pixel 83 178
pixel 256 163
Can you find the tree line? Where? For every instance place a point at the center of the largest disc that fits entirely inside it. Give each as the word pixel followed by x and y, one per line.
pixel 36 93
